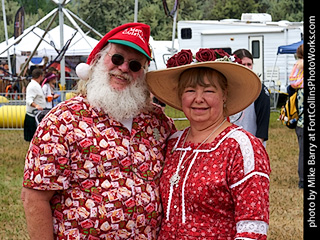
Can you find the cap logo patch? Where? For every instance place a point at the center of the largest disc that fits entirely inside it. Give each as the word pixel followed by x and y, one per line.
pixel 135 32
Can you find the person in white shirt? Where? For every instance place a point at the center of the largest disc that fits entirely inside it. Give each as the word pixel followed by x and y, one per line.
pixel 255 118
pixel 35 99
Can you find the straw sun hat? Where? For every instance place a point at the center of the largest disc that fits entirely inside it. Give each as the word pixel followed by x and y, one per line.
pixel 244 85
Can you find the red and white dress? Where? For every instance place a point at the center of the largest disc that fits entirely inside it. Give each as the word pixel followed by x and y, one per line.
pixel 223 192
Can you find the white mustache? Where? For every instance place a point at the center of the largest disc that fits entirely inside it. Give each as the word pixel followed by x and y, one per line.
pixel 120 74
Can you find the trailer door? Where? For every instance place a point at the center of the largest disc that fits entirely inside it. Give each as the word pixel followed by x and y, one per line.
pixel 257 50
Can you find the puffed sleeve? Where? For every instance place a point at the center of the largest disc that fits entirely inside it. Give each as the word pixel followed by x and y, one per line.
pixel 249 186
pixel 47 163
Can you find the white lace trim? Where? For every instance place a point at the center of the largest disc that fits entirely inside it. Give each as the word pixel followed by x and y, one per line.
pixel 252 226
pixel 183 187
pixel 221 140
pixel 246 150
pixel 249 176
pixel 178 135
pixel 171 187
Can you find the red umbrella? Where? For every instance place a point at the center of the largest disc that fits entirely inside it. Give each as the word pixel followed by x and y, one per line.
pixel 56 65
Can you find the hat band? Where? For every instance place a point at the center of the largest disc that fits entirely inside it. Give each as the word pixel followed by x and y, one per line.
pixel 132 45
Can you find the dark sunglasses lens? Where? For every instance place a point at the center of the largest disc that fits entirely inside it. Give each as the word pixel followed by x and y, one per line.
pixel 117 59
pixel 135 66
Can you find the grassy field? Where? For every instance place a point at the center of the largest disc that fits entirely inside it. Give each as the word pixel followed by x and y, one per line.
pixel 286 199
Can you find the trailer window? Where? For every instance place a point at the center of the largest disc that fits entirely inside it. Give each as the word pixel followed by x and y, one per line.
pixel 255 46
pixel 186 33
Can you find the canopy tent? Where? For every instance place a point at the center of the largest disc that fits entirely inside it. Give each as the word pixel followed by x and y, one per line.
pixel 289 49
pixel 27 44
pixel 286 49
pixel 79 46
pixel 60 12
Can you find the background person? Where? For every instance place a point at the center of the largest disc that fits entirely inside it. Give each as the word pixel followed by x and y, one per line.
pixel 101 152
pixel 48 87
pixel 296 84
pixel 215 183
pixel 255 118
pixel 35 99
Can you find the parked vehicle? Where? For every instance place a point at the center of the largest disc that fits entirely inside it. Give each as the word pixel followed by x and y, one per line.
pixel 255 32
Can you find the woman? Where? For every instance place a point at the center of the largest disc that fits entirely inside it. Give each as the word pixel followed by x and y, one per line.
pixel 255 118
pixel 296 84
pixel 215 182
pixel 48 87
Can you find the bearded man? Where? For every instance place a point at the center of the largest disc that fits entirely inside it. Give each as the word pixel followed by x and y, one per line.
pixel 92 169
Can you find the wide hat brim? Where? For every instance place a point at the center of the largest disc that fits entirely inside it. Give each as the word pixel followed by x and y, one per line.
pixel 244 86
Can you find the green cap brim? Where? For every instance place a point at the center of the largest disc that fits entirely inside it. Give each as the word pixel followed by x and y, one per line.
pixel 132 45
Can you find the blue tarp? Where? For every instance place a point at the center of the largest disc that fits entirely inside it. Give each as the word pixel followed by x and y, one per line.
pixel 289 49
pixel 36 60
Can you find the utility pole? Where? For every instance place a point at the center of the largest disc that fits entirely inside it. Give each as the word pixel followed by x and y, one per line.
pixel 62 62
pixel 136 10
pixel 6 34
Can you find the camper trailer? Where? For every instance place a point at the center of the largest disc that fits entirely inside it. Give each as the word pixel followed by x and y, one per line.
pixel 255 32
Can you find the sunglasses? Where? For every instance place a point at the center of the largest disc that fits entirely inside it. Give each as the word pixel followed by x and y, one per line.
pixel 118 60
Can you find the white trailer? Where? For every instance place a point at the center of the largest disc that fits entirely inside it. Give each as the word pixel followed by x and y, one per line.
pixel 161 52
pixel 255 32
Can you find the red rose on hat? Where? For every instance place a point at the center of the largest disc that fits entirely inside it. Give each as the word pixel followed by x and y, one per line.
pixel 184 57
pixel 205 54
pixel 221 53
pixel 171 62
pixel 236 59
pixel 181 58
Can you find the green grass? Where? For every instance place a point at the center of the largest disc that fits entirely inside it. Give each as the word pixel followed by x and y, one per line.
pixel 13 149
pixel 286 199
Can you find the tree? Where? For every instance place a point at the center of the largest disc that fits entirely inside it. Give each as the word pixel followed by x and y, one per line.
pixel 103 15
pixel 224 9
pixel 11 9
pixel 290 10
pixel 32 6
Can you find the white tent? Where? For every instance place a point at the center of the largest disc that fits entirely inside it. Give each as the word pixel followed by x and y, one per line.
pixel 27 44
pixel 79 46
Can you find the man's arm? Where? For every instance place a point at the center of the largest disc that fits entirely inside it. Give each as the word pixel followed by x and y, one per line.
pixel 38 213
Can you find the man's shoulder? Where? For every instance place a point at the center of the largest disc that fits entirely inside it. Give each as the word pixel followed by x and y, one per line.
pixel 74 104
pixel 160 117
pixel 264 91
pixel 75 101
pixel 157 112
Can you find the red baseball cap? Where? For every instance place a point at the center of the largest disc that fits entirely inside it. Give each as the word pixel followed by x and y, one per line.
pixel 134 35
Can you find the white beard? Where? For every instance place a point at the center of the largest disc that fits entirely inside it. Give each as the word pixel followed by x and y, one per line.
pixel 119 104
